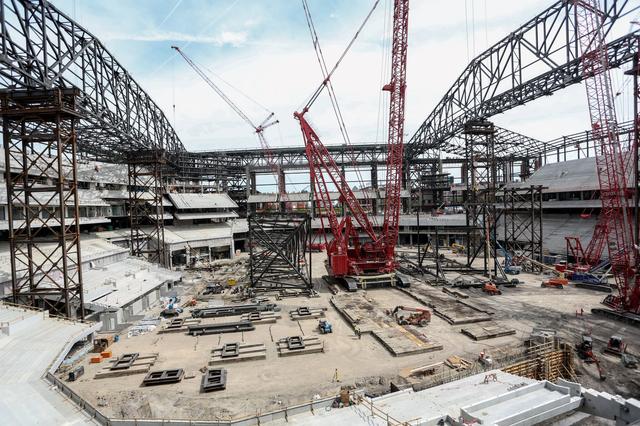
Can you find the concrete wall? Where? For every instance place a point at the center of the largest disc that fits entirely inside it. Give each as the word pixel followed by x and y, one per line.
pixel 123 317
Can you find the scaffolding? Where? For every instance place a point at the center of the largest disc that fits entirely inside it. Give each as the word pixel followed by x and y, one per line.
pixel 279 256
pixel 522 219
pixel 480 196
pixel 146 211
pixel 39 138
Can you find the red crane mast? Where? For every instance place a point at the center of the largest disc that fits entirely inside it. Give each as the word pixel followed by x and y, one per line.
pixel 615 216
pixel 395 144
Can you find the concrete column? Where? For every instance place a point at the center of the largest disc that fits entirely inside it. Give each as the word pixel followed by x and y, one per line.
pixel 464 173
pixel 249 174
pixel 251 189
pixel 253 182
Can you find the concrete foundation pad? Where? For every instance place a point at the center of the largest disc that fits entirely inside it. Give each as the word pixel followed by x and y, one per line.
pixel 488 330
pixel 405 341
pixel 447 307
pixel 261 317
pixel 313 313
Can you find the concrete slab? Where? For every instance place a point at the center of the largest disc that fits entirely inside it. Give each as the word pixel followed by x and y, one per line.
pixel 405 340
pixel 488 330
pixel 447 307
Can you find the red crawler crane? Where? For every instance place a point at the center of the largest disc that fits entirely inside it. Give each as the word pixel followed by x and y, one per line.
pixel 615 218
pixel 347 255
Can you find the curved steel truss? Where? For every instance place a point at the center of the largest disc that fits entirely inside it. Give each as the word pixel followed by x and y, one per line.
pixel 538 59
pixel 43 48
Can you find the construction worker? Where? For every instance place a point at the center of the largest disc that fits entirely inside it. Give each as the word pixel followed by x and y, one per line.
pixel 358 333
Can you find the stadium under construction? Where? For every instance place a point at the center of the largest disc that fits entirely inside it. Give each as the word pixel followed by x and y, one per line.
pixel 451 274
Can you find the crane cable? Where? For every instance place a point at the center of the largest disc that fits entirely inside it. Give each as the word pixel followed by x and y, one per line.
pixel 326 83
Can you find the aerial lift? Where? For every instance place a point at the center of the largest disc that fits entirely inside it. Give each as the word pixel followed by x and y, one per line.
pixel 350 260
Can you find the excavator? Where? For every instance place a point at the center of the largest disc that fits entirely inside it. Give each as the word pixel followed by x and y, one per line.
pixel 419 316
pixel 585 353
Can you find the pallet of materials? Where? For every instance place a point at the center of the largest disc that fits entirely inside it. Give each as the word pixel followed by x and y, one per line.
pixel 457 363
pixel 304 312
pixel 261 317
pixel 127 365
pixel 299 345
pixel 238 352
pixel 226 327
pixel 225 311
pixel 487 331
pixel 177 325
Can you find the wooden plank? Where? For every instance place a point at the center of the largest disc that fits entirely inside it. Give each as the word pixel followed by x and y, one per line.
pixel 312 345
pixel 246 352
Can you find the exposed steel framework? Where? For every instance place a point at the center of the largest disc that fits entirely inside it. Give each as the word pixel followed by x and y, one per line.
pixel 39 138
pixel 146 212
pixel 615 221
pixel 279 256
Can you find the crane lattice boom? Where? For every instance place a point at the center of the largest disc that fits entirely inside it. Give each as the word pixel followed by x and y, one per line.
pixel 259 129
pixel 395 144
pixel 347 256
pixel 615 218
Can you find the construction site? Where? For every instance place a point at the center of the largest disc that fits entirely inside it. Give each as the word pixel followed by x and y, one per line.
pixel 449 272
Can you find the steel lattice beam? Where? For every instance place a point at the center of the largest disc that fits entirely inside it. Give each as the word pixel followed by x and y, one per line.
pixel 43 48
pixel 538 59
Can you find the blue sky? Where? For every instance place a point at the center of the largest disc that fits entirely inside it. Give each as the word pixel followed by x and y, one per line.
pixel 263 48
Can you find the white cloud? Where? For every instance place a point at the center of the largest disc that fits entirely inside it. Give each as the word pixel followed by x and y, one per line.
pixel 232 38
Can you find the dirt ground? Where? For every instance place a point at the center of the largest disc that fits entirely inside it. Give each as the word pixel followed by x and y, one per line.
pixel 265 385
